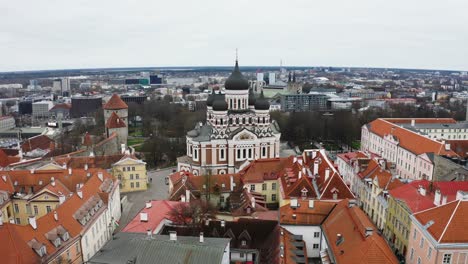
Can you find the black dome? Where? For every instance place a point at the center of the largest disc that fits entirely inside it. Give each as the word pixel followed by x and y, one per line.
pixel 209 101
pixel 236 80
pixel 251 97
pixel 219 104
pixel 261 103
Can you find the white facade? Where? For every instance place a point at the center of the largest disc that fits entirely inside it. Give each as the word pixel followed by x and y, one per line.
pixel 41 109
pixel 312 236
pixel 7 122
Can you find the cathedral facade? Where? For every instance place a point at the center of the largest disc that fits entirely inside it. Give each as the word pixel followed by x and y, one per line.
pixel 237 130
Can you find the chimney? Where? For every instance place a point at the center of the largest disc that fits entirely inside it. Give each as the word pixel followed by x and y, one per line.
pixel 144 217
pixel 4 178
pixel 231 178
pixel 316 167
pixel 79 193
pixel 86 166
pixel 461 195
pixel 252 200
pixel 413 122
pixel 100 176
pixel 300 175
pixel 61 198
pixel 444 199
pixel 187 196
pixel 69 171
pixel 53 183
pixel 422 190
pixel 122 148
pixel 369 231
pixel 172 235
pixel 202 239
pixel 32 171
pixel 149 233
pixel 32 222
pixel 64 165
pixel 223 223
pixel 311 204
pixel 327 173
pixel 437 197
pixel 55 216
pixel 148 204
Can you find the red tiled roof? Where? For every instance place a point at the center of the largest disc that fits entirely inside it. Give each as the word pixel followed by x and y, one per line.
pixel 115 103
pixel 408 139
pixel 42 142
pixel 421 120
pixel 6 160
pixel 347 157
pixel 416 202
pixel 305 215
pixel 13 249
pixel 449 222
pixel 115 121
pixel 460 147
pixel 263 169
pixel 356 247
pixel 61 106
pixel 156 214
pixel 87 140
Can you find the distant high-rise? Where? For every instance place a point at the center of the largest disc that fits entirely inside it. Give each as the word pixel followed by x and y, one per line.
pixel 271 78
pixel 61 86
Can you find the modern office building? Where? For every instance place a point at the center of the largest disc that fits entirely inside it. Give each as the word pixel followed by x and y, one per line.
pixel 303 102
pixel 83 106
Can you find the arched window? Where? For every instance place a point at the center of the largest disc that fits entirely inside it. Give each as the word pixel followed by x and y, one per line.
pixel 230 120
pixel 230 103
pixel 243 120
pixel 263 120
pixel 237 120
pixel 221 121
pixel 250 120
pixel 238 103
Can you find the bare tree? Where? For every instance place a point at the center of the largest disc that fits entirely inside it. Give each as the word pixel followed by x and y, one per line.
pixel 192 214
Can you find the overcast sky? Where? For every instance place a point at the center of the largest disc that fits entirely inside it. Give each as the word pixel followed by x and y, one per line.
pixel 57 34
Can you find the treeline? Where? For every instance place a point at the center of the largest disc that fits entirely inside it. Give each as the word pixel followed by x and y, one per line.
pixel 303 128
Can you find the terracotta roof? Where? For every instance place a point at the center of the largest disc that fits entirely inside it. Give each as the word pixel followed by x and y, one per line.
pixel 421 120
pixel 349 156
pixel 14 249
pixel 42 142
pixel 345 231
pixel 305 215
pixel 104 162
pixel 408 139
pixel 460 147
pixel 115 103
pixel 61 106
pixel 66 212
pixel 446 223
pixel 158 212
pixel 6 160
pixel 263 169
pixel 247 203
pixel 417 202
pixel 87 140
pixel 115 121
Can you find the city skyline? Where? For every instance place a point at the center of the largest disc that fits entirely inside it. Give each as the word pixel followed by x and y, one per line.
pixel 85 34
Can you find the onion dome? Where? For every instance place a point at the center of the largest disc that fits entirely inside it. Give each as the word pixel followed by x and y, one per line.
pixel 236 80
pixel 261 103
pixel 251 97
pixel 219 104
pixel 210 100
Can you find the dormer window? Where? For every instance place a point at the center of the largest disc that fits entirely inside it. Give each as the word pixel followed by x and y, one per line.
pixel 244 243
pixel 42 251
pixel 304 192
pixel 65 236
pixel 57 242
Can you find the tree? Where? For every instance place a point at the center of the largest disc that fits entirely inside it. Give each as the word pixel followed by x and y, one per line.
pixel 192 214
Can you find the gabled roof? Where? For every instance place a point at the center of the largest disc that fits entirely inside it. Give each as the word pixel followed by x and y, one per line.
pixel 349 156
pixel 446 223
pixel 408 139
pixel 115 103
pixel 41 141
pixel 115 121
pixel 356 245
pixel 158 212
pixel 128 157
pixel 305 215
pixel 13 249
pixel 263 169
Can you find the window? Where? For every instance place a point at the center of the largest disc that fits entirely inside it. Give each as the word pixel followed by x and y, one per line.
pixel 264 187
pixel 241 255
pixel 273 186
pixel 414 234
pixel 238 154
pixel 244 152
pixel 273 197
pixel 16 208
pixel 131 185
pixel 429 253
pixel 221 199
pixel 316 246
pixel 263 151
pixel 124 169
pixel 128 168
pixel 195 154
pixel 77 249
pixel 421 243
pixel 252 187
pixel 18 221
pixel 48 209
pixel 411 254
pixel 133 168
pixel 137 176
pixel 447 259
pixel 419 260
pixel 131 176
pixel 244 243
pixel 250 153
pixel 138 185
pixel 316 234
pixel 36 210
pixel 221 154
pixel 68 254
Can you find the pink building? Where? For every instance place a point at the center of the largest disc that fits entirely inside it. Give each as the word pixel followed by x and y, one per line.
pixel 440 234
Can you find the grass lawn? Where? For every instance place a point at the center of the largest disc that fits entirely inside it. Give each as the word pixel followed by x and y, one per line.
pixel 135 132
pixel 134 141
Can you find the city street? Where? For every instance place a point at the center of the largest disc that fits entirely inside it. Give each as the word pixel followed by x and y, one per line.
pixel 158 190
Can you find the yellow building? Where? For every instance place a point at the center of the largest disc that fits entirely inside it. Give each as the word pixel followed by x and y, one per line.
pixel 131 173
pixel 267 188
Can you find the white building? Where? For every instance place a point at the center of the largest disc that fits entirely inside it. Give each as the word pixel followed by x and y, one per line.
pixel 7 122
pixel 238 129
pixel 41 109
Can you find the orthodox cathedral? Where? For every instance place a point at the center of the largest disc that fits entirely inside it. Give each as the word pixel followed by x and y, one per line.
pixel 238 130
